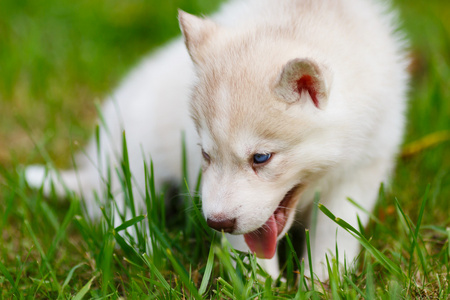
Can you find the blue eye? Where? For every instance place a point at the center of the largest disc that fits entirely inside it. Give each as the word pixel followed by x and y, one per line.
pixel 260 158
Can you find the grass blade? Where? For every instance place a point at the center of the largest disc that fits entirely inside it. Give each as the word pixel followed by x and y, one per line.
pixel 105 260
pixel 43 256
pixel 370 285
pixel 128 250
pixel 181 271
pixel 308 247
pixel 292 249
pixel 357 289
pixel 208 271
pixel 413 243
pixel 156 272
pixel 61 232
pixel 129 223
pixel 448 241
pixel 416 234
pixel 80 295
pixel 69 277
pixel 10 279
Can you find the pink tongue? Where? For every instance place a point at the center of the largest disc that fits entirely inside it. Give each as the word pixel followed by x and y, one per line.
pixel 263 241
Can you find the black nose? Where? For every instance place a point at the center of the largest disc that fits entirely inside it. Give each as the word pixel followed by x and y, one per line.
pixel 227 225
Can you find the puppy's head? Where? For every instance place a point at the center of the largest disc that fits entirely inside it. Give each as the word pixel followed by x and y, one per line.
pixel 260 114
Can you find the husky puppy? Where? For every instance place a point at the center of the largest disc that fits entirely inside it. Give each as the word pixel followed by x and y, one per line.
pixel 289 98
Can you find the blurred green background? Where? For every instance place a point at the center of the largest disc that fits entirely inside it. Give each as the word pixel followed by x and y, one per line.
pixel 58 57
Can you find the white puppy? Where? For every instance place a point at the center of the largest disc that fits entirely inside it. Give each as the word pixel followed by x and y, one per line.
pixel 289 98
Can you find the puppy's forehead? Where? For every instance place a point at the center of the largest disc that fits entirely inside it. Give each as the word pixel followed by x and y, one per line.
pixel 225 145
pixel 215 115
pixel 239 120
pixel 219 116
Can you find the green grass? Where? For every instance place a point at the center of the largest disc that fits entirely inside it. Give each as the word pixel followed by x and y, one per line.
pixel 57 58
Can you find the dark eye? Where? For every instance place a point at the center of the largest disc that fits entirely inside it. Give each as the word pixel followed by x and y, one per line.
pixel 260 158
pixel 206 156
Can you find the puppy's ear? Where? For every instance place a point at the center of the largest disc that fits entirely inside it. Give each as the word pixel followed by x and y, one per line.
pixel 302 80
pixel 196 31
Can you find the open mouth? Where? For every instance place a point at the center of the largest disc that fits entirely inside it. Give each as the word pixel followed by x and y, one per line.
pixel 263 241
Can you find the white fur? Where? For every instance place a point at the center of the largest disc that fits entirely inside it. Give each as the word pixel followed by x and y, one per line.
pixel 345 148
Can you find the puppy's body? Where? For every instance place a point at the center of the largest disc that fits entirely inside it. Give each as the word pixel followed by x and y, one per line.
pixel 316 87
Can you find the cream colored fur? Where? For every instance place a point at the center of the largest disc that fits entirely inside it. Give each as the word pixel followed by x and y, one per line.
pixel 243 103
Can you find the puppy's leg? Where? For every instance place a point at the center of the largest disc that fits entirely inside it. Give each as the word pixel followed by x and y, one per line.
pixel 360 185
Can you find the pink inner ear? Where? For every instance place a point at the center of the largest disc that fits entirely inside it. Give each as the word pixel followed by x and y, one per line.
pixel 306 83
